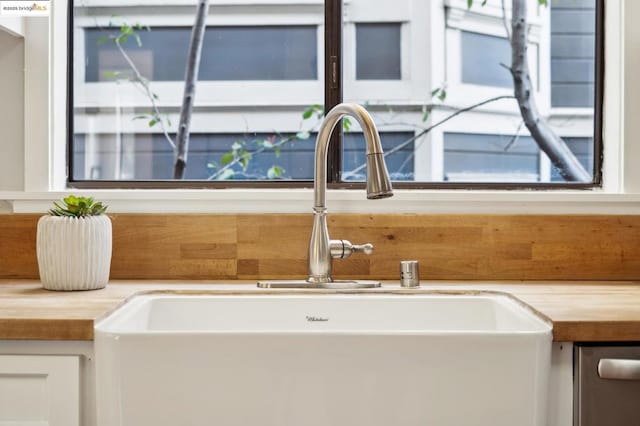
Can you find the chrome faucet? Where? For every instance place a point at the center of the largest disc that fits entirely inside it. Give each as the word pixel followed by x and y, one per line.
pixel 321 249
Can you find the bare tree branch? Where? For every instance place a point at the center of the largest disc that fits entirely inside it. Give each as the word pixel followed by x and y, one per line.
pixel 260 150
pixel 514 138
pixel 238 159
pixel 555 148
pixel 505 19
pixel 139 78
pixel 430 128
pixel 191 76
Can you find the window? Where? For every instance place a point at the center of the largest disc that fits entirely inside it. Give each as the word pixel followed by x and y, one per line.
pixel 582 148
pixel 228 53
pixel 147 157
pixel 572 53
pixel 475 157
pixel 378 51
pixel 483 57
pixel 440 92
pixel 399 162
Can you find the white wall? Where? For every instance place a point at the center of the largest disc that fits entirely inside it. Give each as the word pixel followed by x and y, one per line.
pixel 12 112
pixel 13 25
pixel 622 106
pixel 632 92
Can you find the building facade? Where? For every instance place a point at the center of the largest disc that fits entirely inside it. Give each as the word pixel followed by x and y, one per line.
pixel 262 72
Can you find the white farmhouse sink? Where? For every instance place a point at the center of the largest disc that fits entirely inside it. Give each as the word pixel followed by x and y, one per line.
pixel 311 360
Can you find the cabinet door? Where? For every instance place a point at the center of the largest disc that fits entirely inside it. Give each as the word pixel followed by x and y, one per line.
pixel 39 390
pixel 608 385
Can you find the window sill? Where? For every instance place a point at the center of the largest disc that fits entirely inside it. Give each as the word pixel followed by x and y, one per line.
pixel 557 112
pixel 252 201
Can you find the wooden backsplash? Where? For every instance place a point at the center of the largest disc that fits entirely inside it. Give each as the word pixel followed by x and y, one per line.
pixel 465 247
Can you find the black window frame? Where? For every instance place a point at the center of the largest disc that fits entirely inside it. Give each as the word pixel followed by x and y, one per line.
pixel 333 95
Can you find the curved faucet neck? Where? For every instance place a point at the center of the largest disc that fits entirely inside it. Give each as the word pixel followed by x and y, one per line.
pixel 327 127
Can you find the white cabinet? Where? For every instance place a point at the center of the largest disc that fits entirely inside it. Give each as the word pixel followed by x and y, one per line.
pixel 560 401
pixel 49 383
pixel 39 390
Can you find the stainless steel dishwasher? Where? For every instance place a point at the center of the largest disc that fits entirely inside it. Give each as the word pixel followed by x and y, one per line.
pixel 607 385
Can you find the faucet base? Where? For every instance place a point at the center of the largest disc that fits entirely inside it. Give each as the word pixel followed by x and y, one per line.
pixel 335 285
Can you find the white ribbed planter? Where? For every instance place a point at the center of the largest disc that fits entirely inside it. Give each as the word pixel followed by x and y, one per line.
pixel 74 253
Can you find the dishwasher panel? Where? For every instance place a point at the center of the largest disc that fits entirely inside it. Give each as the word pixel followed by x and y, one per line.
pixel 607 385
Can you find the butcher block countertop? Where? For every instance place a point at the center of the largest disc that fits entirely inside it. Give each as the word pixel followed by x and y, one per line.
pixel 580 311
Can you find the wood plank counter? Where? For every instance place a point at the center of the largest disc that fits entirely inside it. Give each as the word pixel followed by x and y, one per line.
pixel 580 311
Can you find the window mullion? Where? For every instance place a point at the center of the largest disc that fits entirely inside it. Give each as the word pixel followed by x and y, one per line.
pixel 333 81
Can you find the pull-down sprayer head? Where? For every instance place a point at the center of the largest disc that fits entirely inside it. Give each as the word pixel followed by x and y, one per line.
pixel 378 182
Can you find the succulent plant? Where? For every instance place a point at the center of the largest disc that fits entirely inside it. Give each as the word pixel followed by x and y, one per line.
pixel 73 206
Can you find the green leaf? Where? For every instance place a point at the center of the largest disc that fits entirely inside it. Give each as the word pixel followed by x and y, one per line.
pixel 315 108
pixel 245 158
pixel 227 158
pixel 470 3
pixel 153 122
pixel 275 172
pixel 111 74
pixel 276 151
pixel 58 206
pixel 346 124
pixel 73 206
pixel 97 209
pixel 126 29
pixel 426 113
pixel 308 113
pixel 435 91
pixel 443 95
pixel 103 39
